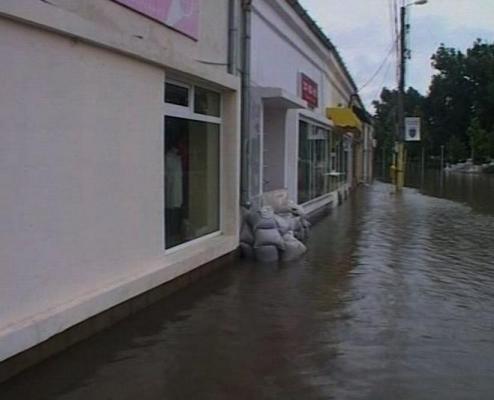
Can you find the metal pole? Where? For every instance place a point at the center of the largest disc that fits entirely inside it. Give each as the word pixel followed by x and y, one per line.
pixel 384 162
pixel 400 166
pixel 245 175
pixel 442 157
pixel 422 175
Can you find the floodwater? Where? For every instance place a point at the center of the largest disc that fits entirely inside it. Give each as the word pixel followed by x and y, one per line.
pixel 394 300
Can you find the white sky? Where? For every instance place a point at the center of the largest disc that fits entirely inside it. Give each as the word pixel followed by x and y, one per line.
pixel 362 31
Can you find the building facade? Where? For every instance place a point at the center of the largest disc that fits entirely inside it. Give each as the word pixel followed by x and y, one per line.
pixel 119 154
pixel 131 131
pixel 301 135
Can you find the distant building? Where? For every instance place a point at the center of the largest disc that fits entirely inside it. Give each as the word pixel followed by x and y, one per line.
pixel 306 129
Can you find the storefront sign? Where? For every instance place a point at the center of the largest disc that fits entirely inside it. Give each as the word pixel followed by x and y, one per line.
pixel 412 129
pixel 181 15
pixel 309 91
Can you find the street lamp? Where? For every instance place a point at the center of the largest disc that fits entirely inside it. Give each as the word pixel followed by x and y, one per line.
pixel 400 161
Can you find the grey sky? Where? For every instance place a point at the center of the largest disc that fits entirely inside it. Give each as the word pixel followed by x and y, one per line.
pixel 362 31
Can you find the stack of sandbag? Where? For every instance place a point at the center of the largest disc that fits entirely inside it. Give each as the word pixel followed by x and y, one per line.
pixel 260 237
pixel 298 221
pixel 268 241
pixel 267 236
pixel 294 248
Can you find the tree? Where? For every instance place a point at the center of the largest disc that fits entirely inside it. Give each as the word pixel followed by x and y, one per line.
pixel 458 110
pixel 456 150
pixel 479 141
pixel 385 117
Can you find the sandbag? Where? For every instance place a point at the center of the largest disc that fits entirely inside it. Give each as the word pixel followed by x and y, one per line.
pixel 266 212
pixel 266 253
pixel 258 221
pixel 293 247
pixel 300 234
pixel 283 224
pixel 297 224
pixel 295 209
pixel 268 237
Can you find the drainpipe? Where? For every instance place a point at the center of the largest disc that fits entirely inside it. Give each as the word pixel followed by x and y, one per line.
pixel 232 38
pixel 245 119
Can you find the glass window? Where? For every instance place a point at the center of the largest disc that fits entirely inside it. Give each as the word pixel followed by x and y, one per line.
pixel 191 179
pixel 313 161
pixel 206 102
pixel 176 94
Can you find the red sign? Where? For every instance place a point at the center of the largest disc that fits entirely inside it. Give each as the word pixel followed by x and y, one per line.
pixel 181 15
pixel 309 91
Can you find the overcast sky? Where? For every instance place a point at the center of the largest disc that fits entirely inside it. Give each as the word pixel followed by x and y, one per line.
pixel 362 30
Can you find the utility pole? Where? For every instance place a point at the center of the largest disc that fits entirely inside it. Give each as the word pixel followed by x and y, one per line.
pixel 400 164
pixel 399 167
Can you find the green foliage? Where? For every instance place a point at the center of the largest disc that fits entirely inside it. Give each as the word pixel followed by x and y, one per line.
pixel 456 150
pixel 457 112
pixel 479 141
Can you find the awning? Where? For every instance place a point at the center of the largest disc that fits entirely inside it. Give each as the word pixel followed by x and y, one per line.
pixel 344 117
pixel 277 97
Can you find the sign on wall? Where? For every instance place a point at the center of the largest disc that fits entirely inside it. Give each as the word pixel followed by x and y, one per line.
pixel 412 129
pixel 181 15
pixel 308 89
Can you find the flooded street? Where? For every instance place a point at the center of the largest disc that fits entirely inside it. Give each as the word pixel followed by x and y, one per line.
pixel 394 300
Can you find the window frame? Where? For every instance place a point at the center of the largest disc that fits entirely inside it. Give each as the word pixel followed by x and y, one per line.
pixel 187 112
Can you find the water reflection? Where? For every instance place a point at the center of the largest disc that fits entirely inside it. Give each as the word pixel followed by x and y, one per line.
pixel 393 301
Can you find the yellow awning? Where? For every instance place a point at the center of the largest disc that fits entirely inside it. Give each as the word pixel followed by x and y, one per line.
pixel 343 117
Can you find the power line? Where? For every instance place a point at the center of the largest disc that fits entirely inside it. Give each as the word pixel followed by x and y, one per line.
pixel 388 54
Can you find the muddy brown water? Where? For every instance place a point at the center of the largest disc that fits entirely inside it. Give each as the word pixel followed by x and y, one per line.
pixel 394 300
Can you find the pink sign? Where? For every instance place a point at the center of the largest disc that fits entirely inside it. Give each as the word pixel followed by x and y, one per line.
pixel 181 15
pixel 309 91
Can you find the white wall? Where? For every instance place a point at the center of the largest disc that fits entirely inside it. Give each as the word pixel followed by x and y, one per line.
pixel 81 163
pixel 282 48
pixel 274 148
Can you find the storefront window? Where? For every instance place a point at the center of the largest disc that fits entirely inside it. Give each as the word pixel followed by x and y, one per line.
pixel 191 163
pixel 313 161
pixel 206 102
pixel 191 179
pixel 176 94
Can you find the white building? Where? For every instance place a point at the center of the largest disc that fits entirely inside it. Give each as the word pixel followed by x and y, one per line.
pixel 89 134
pixel 121 150
pixel 302 134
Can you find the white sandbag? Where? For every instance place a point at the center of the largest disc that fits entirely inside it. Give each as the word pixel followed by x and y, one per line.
pixel 293 248
pixel 300 234
pixel 246 234
pixel 267 212
pixel 258 221
pixel 295 209
pixel 246 250
pixel 297 224
pixel 266 253
pixel 268 237
pixel 282 223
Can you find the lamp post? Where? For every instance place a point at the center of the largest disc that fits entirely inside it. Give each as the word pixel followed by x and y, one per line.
pixel 400 159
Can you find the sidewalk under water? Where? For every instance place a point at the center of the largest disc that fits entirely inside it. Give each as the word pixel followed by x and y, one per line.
pixel 393 300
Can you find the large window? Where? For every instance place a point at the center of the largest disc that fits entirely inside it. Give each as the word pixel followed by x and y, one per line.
pixel 313 161
pixel 192 172
pixel 320 161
